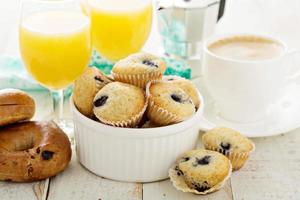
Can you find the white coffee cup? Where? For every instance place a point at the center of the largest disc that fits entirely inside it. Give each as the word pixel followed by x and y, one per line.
pixel 244 89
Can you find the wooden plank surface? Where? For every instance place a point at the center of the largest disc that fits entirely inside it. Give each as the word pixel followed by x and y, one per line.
pixel 77 183
pixel 24 191
pixel 273 171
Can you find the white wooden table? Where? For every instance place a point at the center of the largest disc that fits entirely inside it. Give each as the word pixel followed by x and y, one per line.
pixel 273 171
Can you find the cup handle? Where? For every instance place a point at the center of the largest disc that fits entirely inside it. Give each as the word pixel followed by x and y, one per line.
pixel 205 125
pixel 294 72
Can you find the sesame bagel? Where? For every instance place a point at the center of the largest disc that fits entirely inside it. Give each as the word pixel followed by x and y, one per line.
pixel 15 106
pixel 31 151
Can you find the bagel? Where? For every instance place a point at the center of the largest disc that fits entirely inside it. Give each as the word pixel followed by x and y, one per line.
pixel 15 106
pixel 31 151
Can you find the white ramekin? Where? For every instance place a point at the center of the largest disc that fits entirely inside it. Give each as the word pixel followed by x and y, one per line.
pixel 130 154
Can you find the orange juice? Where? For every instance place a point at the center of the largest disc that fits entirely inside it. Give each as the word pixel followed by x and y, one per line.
pixel 55 46
pixel 120 27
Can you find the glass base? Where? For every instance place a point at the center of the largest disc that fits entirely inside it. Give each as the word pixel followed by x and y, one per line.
pixel 68 127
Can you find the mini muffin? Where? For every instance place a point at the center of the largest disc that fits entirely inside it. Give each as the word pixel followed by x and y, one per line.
pixel 86 87
pixel 138 69
pixel 230 143
pixel 15 106
pixel 120 104
pixel 200 171
pixel 168 104
pixel 187 86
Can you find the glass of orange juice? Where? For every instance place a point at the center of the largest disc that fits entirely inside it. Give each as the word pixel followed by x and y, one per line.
pixel 55 44
pixel 119 27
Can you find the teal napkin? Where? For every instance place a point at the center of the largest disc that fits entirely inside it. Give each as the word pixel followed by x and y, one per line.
pixel 14 75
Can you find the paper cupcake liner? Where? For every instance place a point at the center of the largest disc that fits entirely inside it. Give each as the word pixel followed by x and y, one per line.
pixel 158 114
pixel 132 122
pixel 237 159
pixel 139 80
pixel 180 184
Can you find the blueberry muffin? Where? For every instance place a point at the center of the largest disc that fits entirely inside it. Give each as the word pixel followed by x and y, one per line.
pixel 138 69
pixel 120 104
pixel 230 143
pixel 200 171
pixel 168 104
pixel 187 86
pixel 86 87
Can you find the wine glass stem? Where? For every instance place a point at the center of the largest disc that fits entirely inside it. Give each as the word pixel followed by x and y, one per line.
pixel 58 104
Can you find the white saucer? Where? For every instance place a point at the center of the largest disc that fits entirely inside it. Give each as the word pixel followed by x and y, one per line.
pixel 284 116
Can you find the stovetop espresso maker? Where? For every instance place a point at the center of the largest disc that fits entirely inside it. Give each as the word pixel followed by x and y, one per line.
pixel 184 24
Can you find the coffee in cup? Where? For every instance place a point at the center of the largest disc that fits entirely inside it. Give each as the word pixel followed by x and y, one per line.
pixel 249 48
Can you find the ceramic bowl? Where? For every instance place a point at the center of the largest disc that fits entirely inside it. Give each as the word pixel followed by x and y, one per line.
pixel 131 154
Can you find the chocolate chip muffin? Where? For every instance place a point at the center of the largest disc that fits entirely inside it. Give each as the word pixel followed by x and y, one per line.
pixel 187 86
pixel 200 171
pixel 138 69
pixel 168 104
pixel 86 87
pixel 230 143
pixel 120 104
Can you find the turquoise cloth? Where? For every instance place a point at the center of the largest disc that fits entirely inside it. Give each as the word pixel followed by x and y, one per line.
pixel 14 75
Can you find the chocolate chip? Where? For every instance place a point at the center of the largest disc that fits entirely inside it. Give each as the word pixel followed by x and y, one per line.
pixel 202 161
pixel 32 157
pixel 47 155
pixel 8 180
pixel 176 98
pixel 98 78
pixel 150 63
pixel 101 101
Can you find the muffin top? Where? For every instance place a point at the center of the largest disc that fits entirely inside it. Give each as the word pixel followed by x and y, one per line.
pixel 140 63
pixel 227 139
pixel 118 102
pixel 171 98
pixel 203 169
pixel 187 86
